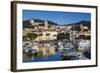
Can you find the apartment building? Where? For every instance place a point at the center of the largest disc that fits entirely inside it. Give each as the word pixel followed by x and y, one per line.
pixel 43 29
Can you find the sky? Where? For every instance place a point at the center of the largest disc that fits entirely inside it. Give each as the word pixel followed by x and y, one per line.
pixel 56 16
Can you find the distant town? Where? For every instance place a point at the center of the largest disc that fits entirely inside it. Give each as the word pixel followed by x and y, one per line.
pixel 44 40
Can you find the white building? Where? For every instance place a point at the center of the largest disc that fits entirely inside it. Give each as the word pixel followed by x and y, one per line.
pixel 46 35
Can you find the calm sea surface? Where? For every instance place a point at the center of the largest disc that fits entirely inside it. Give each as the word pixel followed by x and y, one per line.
pixel 55 57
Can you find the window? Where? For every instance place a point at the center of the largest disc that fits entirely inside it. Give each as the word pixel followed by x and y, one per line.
pixel 47 34
pixel 40 34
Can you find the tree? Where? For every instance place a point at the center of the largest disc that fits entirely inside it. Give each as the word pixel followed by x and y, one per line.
pixel 62 36
pixel 32 36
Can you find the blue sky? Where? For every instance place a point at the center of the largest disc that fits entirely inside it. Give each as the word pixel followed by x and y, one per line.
pixel 56 16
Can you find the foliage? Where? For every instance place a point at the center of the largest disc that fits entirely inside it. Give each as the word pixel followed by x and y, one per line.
pixel 32 36
pixel 62 36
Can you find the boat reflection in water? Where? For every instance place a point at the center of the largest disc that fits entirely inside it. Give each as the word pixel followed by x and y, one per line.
pixel 56 51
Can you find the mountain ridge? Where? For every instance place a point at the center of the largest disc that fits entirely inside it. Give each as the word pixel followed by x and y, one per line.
pixel 27 24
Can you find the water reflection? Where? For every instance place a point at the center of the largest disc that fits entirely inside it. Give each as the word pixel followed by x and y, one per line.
pixel 56 51
pixel 55 57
